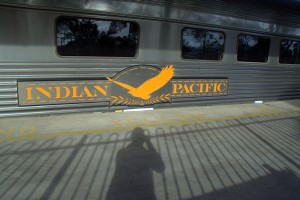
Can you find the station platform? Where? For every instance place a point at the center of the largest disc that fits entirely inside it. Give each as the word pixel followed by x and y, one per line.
pixel 240 151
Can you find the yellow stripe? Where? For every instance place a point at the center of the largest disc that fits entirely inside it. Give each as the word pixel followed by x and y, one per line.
pixel 150 125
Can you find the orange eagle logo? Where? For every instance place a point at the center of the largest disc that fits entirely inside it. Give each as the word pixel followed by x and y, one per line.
pixel 145 90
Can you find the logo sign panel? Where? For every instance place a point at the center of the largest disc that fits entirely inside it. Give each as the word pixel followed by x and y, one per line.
pixel 134 86
pixel 140 85
pixel 60 92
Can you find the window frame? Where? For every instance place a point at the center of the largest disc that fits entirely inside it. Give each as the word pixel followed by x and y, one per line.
pixel 279 53
pixel 100 19
pixel 256 35
pixel 197 59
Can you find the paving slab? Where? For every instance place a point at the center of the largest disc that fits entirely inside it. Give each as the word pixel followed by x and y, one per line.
pixel 241 151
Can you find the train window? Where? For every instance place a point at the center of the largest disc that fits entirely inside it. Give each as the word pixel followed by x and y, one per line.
pixel 253 48
pixel 202 44
pixel 96 37
pixel 289 52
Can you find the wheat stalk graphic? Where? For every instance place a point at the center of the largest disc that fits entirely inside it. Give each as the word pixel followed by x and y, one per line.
pixel 120 100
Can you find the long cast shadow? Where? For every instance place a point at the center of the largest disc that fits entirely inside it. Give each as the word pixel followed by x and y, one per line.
pixel 278 185
pixel 133 177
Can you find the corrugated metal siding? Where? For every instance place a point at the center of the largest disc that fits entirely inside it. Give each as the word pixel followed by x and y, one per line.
pixel 246 83
pixel 267 10
pixel 249 83
pixel 8 88
pixel 274 15
pixel 282 11
pixel 27 52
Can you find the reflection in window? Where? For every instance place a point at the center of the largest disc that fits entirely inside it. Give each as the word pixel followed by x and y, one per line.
pixel 202 44
pixel 94 37
pixel 289 52
pixel 253 48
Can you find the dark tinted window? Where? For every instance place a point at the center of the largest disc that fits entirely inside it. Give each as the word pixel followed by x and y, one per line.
pixel 95 37
pixel 253 48
pixel 289 52
pixel 202 44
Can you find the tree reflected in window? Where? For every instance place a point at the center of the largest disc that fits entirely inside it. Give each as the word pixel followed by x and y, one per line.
pixel 289 52
pixel 252 48
pixel 202 44
pixel 94 37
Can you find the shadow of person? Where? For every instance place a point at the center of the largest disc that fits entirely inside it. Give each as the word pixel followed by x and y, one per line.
pixel 133 177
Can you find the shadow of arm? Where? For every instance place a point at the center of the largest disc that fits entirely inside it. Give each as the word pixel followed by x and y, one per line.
pixel 157 163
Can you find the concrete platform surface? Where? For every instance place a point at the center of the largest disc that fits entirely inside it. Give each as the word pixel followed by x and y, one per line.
pixel 241 151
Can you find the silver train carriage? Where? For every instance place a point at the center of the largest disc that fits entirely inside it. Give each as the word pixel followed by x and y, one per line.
pixel 101 55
